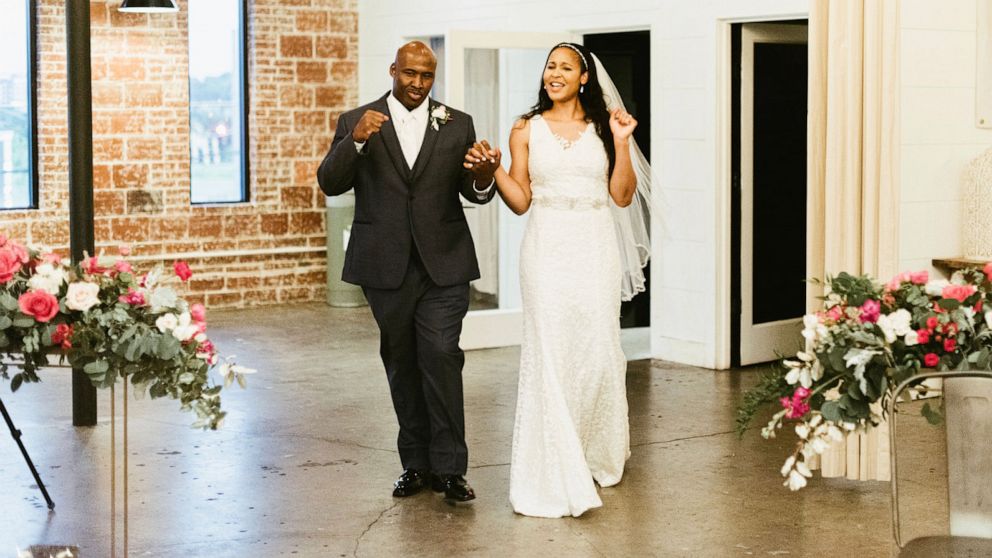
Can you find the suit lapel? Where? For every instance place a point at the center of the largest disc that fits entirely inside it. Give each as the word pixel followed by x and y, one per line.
pixel 427 147
pixel 391 141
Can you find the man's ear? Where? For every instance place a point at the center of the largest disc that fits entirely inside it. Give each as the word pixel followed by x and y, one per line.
pixel 392 70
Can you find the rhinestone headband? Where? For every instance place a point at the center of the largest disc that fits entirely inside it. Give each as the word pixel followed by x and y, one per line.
pixel 577 51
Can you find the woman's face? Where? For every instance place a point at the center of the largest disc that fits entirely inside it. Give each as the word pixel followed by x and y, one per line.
pixel 563 74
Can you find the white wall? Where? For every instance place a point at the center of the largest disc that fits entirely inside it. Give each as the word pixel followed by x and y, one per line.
pixel 684 34
pixel 939 137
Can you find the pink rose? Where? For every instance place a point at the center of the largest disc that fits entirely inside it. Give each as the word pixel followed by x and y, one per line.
pixel 123 267
pixel 931 360
pixel 92 266
pixel 932 322
pixel 801 393
pixel 870 311
pixel 923 336
pixel 988 271
pixel 63 336
pixel 41 305
pixel 950 344
pixel 835 313
pixel 182 270
pixel 10 264
pixel 919 277
pixel 124 250
pixel 133 297
pixel 958 292
pixel 198 312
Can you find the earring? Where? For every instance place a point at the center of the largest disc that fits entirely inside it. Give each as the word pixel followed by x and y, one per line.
pixel 582 89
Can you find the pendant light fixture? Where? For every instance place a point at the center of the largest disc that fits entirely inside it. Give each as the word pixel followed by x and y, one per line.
pixel 148 6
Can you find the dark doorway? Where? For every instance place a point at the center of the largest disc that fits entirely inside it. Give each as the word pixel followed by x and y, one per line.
pixel 627 58
pixel 777 207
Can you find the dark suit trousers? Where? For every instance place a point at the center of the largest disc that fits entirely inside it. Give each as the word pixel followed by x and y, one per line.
pixel 419 326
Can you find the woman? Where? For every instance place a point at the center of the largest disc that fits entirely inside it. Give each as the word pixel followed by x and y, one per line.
pixel 571 163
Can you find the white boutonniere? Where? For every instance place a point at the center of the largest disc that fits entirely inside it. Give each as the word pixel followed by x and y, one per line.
pixel 439 116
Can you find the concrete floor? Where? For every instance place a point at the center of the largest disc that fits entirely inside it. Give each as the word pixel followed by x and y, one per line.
pixel 303 466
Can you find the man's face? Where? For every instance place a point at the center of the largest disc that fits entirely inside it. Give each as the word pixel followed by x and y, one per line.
pixel 413 77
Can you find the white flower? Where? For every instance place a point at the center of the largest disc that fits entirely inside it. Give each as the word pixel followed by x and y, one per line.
pixel 936 288
pixel 82 296
pixel 439 115
pixel 911 339
pixel 795 481
pixel 47 278
pixel 819 445
pixel 895 324
pixel 802 375
pixel 167 322
pixel 802 430
pixel 988 318
pixel 788 465
pixel 185 330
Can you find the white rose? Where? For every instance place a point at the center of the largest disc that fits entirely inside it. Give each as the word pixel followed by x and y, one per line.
pixel 82 296
pixel 936 288
pixel 988 318
pixel 166 322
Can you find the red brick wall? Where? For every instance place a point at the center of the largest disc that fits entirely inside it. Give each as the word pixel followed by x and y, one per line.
pixel 302 74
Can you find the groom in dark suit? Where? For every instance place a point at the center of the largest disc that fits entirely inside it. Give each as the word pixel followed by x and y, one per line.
pixel 411 251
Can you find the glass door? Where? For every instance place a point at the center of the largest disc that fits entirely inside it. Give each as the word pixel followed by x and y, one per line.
pixel 495 78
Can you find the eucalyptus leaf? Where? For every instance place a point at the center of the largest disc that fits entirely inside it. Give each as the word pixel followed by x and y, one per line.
pixel 23 321
pixel 5 322
pixel 8 301
pixel 831 411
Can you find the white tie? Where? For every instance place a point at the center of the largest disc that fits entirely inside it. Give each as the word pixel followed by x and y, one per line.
pixel 410 139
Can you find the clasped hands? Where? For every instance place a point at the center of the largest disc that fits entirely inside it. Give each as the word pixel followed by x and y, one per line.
pixel 483 160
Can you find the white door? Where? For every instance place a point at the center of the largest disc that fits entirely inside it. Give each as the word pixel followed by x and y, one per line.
pixel 495 78
pixel 772 139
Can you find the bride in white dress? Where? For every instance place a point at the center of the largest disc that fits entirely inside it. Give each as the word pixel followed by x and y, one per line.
pixel 572 168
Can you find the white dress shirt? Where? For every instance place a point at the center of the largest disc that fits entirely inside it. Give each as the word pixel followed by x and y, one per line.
pixel 410 126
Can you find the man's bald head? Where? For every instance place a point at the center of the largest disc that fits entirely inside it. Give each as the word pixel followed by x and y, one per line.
pixel 413 73
pixel 416 49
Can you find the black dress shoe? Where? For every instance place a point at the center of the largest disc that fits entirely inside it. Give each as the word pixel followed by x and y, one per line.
pixel 455 488
pixel 410 482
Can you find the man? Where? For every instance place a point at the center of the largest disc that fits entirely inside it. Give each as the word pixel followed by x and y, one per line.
pixel 411 252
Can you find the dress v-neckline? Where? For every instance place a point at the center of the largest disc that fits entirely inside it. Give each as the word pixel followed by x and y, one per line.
pixel 566 143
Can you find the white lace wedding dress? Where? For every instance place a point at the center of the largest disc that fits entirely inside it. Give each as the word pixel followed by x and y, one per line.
pixel 571 419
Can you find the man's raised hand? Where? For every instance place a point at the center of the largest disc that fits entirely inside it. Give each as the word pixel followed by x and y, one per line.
pixel 369 124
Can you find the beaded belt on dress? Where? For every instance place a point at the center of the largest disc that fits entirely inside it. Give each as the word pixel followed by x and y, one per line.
pixel 560 202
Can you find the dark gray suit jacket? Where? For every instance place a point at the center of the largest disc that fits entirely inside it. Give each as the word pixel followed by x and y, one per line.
pixel 398 209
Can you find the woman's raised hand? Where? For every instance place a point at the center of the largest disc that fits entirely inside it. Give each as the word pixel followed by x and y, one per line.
pixel 622 124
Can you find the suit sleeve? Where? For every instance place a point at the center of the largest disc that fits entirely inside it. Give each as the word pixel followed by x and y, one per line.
pixel 468 187
pixel 337 171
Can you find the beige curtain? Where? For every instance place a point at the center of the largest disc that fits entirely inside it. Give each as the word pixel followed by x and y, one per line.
pixel 853 169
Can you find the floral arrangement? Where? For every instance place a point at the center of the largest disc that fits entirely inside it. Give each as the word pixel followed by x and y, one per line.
pixel 867 340
pixel 102 317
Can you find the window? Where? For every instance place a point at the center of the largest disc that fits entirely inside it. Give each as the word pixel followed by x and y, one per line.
pixel 218 101
pixel 17 111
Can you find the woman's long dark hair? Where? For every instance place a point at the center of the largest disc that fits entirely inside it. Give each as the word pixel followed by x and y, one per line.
pixel 590 97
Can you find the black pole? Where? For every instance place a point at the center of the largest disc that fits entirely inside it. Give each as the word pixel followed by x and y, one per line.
pixel 27 458
pixel 81 236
